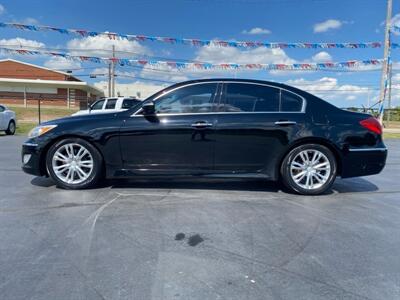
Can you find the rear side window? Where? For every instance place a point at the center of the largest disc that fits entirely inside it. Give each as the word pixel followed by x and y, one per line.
pixel 111 103
pixel 2 108
pixel 290 102
pixel 242 97
pixel 128 103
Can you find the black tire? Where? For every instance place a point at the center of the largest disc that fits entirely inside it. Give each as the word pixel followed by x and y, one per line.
pixel 290 183
pixel 95 175
pixel 11 128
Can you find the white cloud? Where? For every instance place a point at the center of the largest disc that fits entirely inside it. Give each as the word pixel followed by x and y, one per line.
pixel 215 54
pixel 395 90
pixel 351 97
pixel 2 9
pixel 322 56
pixel 167 73
pixel 93 46
pixel 327 25
pixel 328 88
pixel 16 43
pixel 257 30
pixel 394 21
pixel 135 88
pixel 99 71
pixel 61 63
pixel 29 21
pixel 396 78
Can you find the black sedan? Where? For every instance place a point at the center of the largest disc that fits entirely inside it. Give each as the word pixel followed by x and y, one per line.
pixel 215 128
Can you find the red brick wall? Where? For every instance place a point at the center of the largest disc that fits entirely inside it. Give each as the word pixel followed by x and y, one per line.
pixel 11 69
pixel 59 99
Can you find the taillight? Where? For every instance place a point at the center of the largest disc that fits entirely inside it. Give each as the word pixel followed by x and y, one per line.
pixel 372 124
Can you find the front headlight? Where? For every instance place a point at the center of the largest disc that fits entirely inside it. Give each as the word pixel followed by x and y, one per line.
pixel 40 130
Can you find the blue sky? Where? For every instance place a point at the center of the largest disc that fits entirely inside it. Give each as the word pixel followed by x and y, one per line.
pixel 276 20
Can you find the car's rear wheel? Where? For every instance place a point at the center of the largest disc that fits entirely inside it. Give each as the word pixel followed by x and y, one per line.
pixel 74 164
pixel 309 169
pixel 11 128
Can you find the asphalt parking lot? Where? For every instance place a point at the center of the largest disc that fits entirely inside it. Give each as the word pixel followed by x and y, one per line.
pixel 198 240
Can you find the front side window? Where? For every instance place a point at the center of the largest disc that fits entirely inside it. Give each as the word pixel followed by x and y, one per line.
pixel 98 105
pixel 2 108
pixel 242 97
pixel 197 98
pixel 111 103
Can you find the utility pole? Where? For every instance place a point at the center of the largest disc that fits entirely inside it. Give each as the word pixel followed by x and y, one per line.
pixel 113 72
pixel 389 95
pixel 385 67
pixel 109 79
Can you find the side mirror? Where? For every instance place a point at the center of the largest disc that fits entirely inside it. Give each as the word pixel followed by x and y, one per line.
pixel 149 108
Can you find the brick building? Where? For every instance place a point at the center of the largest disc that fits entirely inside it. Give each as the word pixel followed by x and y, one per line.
pixel 23 83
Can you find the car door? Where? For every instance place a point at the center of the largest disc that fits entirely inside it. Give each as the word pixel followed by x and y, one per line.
pixel 2 118
pixel 178 139
pixel 255 126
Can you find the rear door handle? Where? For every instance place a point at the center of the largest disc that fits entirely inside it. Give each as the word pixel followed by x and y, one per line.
pixel 202 124
pixel 285 123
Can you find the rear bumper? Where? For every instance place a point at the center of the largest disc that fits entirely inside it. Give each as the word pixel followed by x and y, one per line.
pixel 363 161
pixel 30 156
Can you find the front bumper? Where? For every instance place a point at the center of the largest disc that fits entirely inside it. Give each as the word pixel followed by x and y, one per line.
pixel 363 161
pixel 30 155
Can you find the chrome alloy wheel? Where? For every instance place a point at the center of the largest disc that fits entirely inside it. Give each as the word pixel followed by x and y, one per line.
pixel 72 163
pixel 310 169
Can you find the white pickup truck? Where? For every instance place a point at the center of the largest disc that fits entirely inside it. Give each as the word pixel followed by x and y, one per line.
pixel 109 105
pixel 8 121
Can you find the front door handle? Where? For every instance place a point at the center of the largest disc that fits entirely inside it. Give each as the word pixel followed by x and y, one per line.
pixel 202 124
pixel 285 123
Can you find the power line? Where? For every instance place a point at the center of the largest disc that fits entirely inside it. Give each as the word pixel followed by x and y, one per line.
pixel 143 78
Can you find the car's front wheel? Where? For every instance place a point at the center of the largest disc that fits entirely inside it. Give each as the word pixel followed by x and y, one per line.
pixel 309 169
pixel 74 163
pixel 11 128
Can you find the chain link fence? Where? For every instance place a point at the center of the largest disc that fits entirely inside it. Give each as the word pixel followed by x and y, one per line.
pixel 33 109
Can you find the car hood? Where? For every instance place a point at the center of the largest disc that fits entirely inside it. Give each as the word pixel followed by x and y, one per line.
pixel 81 112
pixel 80 119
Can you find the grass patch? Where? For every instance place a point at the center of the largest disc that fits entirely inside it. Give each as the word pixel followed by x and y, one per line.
pixel 391 135
pixel 31 115
pixel 24 128
pixel 392 124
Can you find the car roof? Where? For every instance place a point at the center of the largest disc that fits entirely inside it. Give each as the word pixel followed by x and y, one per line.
pixel 119 98
pixel 271 83
pixel 310 97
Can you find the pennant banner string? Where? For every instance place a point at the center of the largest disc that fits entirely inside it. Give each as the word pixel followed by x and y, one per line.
pixel 173 64
pixel 194 42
